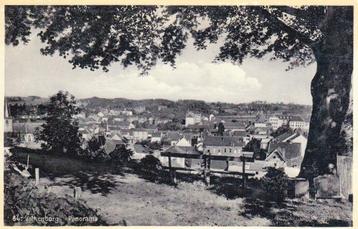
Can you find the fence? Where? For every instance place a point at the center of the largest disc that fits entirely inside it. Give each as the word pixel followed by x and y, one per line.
pixel 206 169
pixel 344 172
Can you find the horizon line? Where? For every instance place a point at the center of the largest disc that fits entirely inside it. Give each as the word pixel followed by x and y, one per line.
pixel 172 100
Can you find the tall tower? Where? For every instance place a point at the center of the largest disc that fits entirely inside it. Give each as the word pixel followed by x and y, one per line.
pixel 6 111
pixel 8 120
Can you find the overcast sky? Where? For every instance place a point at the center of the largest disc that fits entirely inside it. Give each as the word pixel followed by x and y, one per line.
pixel 27 72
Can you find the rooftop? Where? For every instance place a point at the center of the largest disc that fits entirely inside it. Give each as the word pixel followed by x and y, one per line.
pixel 296 118
pixel 222 141
pixel 287 150
pixel 182 150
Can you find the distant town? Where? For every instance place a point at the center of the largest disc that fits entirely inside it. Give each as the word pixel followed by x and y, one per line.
pixel 274 133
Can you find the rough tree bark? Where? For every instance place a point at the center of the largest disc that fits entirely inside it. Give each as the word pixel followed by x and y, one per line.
pixel 330 90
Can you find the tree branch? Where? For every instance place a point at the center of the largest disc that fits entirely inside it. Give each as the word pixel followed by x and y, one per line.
pixel 289 10
pixel 302 37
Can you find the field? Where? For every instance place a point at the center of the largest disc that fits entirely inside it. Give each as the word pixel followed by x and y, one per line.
pixel 123 197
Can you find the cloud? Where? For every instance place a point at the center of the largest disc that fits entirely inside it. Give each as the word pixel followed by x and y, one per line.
pixel 27 72
pixel 203 81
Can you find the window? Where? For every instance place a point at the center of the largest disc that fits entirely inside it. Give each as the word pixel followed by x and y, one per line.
pixel 274 157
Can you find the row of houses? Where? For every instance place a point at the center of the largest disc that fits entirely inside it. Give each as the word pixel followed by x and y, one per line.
pixel 282 152
pixel 200 137
pixel 294 122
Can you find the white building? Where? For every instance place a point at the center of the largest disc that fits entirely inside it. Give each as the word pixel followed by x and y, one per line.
pixel 183 142
pixel 192 119
pixel 278 121
pixel 127 113
pixel 139 109
pixel 297 122
pixel 8 121
pixel 260 125
pixel 298 139
pixel 140 135
pixel 275 122
pixel 156 137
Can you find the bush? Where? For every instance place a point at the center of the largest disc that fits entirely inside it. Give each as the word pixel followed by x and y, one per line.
pixel 150 167
pixel 121 154
pixel 25 205
pixel 275 183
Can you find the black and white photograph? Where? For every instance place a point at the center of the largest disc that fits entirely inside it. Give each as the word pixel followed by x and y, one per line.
pixel 178 115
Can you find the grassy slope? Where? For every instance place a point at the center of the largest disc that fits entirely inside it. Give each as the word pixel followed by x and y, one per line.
pixel 140 202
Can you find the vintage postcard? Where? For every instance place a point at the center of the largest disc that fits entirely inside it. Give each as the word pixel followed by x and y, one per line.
pixel 130 114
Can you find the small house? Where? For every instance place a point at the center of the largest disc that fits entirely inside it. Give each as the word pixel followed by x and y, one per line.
pixel 284 154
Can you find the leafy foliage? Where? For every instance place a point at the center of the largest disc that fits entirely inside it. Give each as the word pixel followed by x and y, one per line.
pixel 275 183
pixel 60 132
pixel 121 154
pixel 96 36
pixel 254 145
pixel 26 205
pixel 150 167
pixel 221 129
pixel 95 151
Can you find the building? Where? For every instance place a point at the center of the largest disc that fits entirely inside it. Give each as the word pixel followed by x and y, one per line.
pixel 139 109
pixel 296 122
pixel 23 128
pixel 140 134
pixel 111 144
pixel 265 131
pixel 184 142
pixel 222 145
pixel 242 135
pixel 162 107
pixel 300 139
pixel 265 143
pixel 156 137
pixel 172 137
pixel 85 133
pixel 29 137
pixel 284 154
pixel 292 137
pixel 8 121
pixel 139 151
pixel 192 119
pixel 278 121
pixel 260 124
pixel 126 112
pixel 161 120
pixel 182 162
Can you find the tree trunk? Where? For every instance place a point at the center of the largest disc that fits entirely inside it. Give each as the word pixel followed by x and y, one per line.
pixel 330 90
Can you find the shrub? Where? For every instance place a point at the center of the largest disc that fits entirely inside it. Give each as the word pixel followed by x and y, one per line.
pixel 121 154
pixel 275 183
pixel 26 205
pixel 150 167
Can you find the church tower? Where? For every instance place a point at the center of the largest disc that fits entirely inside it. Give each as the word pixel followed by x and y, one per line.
pixel 8 120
